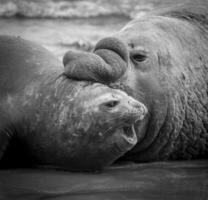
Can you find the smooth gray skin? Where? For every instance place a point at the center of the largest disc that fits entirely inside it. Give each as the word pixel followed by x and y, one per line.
pixel 48 119
pixel 163 64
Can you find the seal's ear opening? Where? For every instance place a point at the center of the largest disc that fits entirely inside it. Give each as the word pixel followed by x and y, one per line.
pixel 106 65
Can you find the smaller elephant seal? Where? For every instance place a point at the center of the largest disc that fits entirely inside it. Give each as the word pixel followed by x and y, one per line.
pixel 49 119
pixel 160 59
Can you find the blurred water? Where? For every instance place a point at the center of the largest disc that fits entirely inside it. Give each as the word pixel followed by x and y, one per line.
pixel 52 23
pixel 58 35
pixel 81 8
pixel 72 8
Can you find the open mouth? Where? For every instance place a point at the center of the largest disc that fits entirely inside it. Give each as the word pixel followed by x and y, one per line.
pixel 128 139
pixel 130 134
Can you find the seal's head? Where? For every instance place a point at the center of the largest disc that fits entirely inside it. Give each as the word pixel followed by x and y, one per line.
pixel 161 60
pixel 104 126
pixel 89 127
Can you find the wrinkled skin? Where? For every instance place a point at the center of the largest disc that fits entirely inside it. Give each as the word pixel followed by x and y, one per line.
pixel 166 65
pixel 49 119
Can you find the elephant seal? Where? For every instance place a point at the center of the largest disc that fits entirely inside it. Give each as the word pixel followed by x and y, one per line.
pixel 163 63
pixel 48 119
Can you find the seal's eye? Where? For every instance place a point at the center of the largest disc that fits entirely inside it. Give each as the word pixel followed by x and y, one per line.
pixel 111 104
pixel 138 56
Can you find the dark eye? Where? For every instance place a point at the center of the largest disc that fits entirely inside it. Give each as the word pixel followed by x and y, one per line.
pixel 138 56
pixel 111 104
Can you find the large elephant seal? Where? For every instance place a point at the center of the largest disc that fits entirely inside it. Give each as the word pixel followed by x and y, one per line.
pixel 161 59
pixel 48 119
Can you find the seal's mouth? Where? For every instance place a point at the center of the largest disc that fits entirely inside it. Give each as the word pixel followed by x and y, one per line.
pixel 128 139
pixel 130 134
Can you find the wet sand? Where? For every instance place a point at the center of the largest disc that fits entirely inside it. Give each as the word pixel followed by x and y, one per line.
pixel 155 181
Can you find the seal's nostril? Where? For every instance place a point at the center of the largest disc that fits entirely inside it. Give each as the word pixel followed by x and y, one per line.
pixel 111 104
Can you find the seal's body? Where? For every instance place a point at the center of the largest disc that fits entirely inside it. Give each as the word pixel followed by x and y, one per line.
pixel 163 62
pixel 48 119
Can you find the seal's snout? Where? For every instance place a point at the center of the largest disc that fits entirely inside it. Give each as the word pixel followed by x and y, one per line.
pixel 123 105
pixel 112 44
pixel 106 64
pixel 138 109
